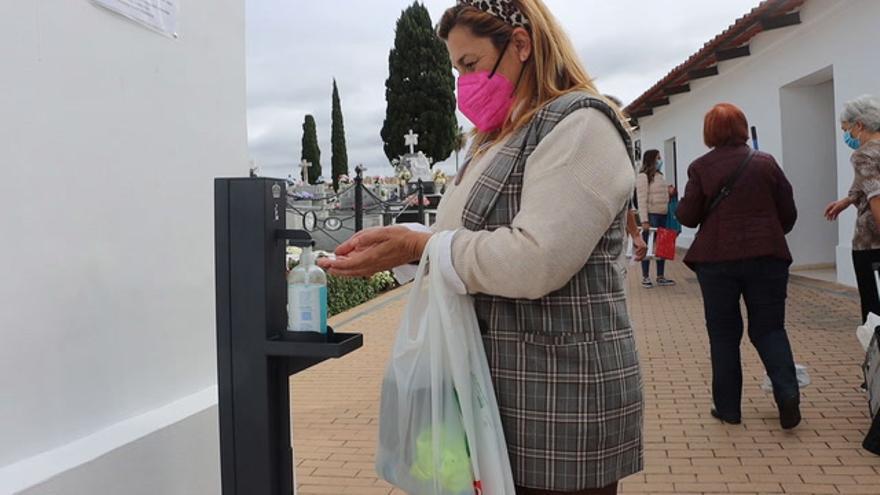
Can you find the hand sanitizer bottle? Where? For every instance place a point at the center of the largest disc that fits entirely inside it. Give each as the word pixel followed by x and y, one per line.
pixel 307 296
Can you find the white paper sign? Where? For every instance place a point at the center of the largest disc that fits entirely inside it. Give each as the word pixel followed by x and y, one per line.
pixel 160 15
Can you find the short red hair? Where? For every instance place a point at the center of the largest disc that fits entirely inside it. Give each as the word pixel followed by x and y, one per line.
pixel 725 125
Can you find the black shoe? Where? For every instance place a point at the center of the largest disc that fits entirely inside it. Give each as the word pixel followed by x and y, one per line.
pixel 732 421
pixel 790 413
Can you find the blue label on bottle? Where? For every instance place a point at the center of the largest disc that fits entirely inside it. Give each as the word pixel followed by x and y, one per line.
pixel 307 308
pixel 323 309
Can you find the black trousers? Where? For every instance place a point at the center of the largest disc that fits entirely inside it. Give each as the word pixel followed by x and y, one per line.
pixel 872 440
pixel 863 262
pixel 763 283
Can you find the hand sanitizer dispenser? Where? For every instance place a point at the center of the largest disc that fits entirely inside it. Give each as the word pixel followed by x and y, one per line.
pixel 256 352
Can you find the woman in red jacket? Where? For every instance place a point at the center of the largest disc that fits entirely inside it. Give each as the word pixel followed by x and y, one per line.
pixel 740 252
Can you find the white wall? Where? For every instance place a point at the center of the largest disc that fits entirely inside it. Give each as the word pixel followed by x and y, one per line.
pixel 175 460
pixel 110 136
pixel 831 34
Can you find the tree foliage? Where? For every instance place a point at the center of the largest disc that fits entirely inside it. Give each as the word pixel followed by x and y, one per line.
pixel 310 150
pixel 420 89
pixel 339 158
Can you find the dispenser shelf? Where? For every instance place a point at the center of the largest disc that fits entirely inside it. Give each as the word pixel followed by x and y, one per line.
pixel 314 345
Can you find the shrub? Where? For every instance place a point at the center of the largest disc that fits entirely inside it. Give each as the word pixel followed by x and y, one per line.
pixel 346 293
pixel 383 281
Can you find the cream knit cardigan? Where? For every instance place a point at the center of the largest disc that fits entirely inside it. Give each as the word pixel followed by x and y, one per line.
pixel 576 182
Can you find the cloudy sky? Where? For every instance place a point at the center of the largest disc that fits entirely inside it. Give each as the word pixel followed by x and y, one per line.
pixel 296 47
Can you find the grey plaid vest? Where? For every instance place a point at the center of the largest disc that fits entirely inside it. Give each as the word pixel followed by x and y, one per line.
pixel 565 367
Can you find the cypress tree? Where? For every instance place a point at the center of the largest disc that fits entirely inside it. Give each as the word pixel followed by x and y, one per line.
pixel 339 159
pixel 420 89
pixel 310 149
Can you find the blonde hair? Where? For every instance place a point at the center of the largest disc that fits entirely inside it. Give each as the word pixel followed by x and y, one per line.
pixel 552 70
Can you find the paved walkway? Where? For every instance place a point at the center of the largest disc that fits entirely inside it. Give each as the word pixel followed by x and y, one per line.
pixel 688 452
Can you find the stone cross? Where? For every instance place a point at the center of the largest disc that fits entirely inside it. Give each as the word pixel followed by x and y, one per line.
pixel 411 140
pixel 305 165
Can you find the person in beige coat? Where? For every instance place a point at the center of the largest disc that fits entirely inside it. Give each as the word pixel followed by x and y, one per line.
pixel 653 193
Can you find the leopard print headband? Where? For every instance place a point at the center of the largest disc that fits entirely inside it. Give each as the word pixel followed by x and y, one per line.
pixel 502 9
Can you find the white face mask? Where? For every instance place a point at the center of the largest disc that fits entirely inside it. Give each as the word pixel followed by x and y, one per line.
pixel 659 165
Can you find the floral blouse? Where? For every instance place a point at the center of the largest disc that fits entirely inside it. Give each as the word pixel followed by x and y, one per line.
pixel 865 187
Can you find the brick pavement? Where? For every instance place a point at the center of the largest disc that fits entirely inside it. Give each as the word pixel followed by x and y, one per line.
pixel 335 405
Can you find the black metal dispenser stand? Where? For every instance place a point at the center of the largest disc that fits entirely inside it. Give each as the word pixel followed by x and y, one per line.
pixel 255 353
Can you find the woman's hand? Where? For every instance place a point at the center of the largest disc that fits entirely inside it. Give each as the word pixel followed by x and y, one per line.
pixel 375 250
pixel 640 249
pixel 833 210
pixel 672 191
pixel 875 210
pixel 646 226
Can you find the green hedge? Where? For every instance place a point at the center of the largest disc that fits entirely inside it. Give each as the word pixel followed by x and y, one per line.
pixel 346 293
pixel 383 281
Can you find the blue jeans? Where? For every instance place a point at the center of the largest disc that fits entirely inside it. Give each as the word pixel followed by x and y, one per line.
pixel 655 221
pixel 763 283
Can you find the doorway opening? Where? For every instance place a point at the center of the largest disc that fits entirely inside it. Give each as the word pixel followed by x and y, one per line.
pixel 809 131
pixel 670 156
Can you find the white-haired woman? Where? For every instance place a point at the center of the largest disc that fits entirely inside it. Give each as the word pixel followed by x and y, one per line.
pixel 860 122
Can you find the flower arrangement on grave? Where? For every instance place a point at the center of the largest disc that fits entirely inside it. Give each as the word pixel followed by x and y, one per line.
pixel 439 177
pixel 414 200
pixel 303 196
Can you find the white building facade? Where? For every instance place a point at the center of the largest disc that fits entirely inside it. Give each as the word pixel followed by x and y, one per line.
pixel 790 65
pixel 110 137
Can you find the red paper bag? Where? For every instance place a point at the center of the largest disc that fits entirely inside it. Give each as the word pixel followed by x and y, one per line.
pixel 665 241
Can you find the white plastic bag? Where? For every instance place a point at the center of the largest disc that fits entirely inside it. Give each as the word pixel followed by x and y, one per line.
pixel 803 378
pixel 439 427
pixel 865 332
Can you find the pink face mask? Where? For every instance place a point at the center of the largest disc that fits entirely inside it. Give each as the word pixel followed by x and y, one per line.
pixel 485 97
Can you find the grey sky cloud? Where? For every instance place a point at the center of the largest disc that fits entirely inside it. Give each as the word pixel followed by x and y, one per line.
pixel 296 48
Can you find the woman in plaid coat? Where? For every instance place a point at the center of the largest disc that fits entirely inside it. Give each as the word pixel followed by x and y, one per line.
pixel 539 213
